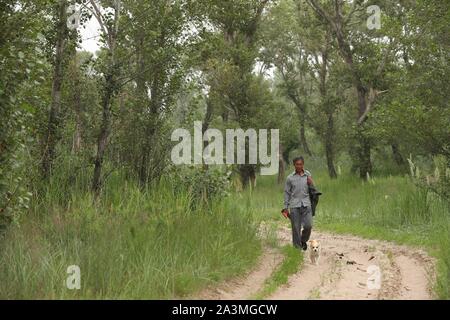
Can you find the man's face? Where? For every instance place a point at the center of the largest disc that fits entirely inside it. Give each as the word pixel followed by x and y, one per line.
pixel 299 166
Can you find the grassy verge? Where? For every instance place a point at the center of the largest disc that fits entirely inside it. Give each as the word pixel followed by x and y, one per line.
pixel 129 245
pixel 292 262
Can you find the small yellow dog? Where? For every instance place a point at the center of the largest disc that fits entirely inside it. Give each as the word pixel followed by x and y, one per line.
pixel 314 253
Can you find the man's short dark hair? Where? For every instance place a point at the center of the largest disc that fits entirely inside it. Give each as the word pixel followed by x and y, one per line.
pixel 298 159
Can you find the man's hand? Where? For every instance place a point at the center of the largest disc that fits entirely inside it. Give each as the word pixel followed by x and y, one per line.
pixel 309 181
pixel 285 213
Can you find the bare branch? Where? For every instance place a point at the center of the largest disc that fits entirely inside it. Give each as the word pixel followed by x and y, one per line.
pixel 98 15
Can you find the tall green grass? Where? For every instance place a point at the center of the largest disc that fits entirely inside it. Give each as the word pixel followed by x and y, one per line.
pixel 129 244
pixel 152 244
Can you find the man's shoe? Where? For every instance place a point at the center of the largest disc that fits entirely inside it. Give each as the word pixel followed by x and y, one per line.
pixel 304 246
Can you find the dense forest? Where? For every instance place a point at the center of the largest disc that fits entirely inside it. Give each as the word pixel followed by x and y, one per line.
pixel 359 88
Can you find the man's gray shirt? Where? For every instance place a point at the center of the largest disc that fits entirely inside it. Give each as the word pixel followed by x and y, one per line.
pixel 296 191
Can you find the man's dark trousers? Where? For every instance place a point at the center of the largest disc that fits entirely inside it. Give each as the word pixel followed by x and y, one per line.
pixel 301 217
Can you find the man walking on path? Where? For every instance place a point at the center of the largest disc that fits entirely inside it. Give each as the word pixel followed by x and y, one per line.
pixel 296 198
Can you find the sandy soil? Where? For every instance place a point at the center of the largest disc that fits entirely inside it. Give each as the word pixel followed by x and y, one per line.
pixel 349 268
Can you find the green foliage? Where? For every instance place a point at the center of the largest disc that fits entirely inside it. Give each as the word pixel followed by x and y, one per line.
pixel 21 73
pixel 204 185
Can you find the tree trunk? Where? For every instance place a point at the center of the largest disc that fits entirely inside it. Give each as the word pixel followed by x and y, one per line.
pixel 247 173
pixel 103 137
pixel 110 89
pixel 365 164
pixel 150 132
pixel 329 110
pixel 364 148
pixel 143 169
pixel 253 178
pixel 398 157
pixel 77 136
pixel 364 151
pixel 293 95
pixel 303 140
pixel 51 138
pixel 205 125
pixel 76 100
pixel 336 22
pixel 330 161
pixel 143 101
pixel 329 147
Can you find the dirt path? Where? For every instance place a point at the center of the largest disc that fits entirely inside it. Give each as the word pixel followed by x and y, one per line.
pixel 349 268
pixel 245 286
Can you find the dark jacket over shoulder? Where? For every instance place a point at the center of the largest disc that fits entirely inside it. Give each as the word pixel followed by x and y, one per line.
pixel 314 197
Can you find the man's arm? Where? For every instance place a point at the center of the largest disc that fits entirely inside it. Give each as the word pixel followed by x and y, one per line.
pixel 287 197
pixel 287 194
